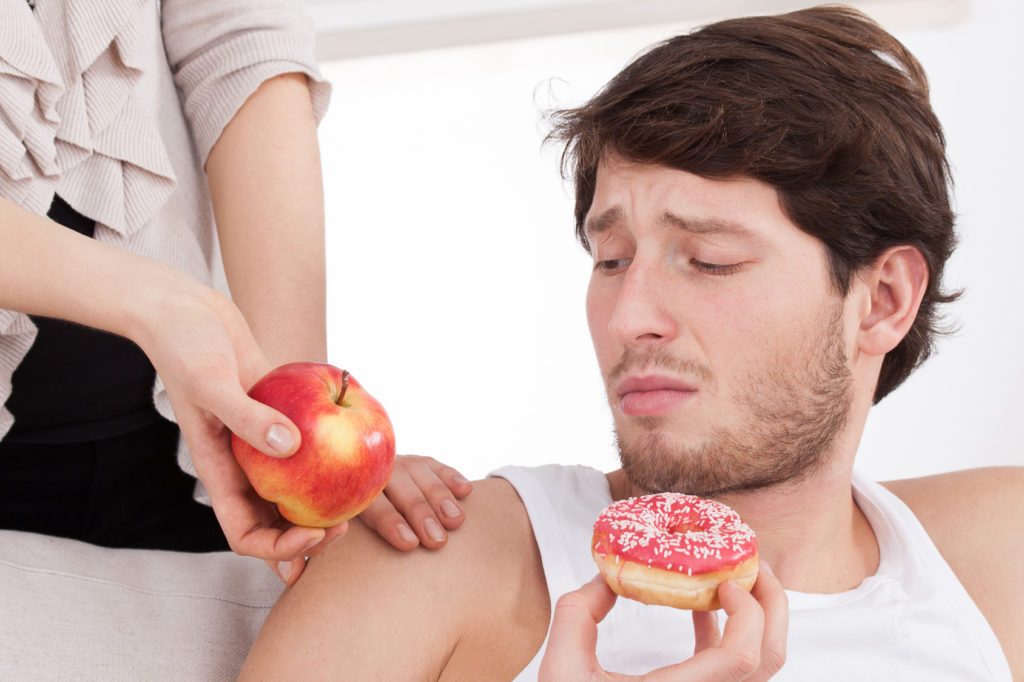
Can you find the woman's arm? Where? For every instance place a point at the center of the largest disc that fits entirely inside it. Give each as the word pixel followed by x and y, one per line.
pixel 203 349
pixel 197 340
pixel 265 181
pixel 267 191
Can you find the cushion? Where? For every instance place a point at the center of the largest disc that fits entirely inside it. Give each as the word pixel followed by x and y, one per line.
pixel 70 610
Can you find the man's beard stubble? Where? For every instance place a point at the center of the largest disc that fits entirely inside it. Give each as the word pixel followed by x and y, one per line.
pixel 794 413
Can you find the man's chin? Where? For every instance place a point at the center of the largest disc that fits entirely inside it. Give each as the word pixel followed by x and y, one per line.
pixel 655 463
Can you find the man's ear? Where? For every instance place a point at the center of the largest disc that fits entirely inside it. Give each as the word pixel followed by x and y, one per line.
pixel 895 285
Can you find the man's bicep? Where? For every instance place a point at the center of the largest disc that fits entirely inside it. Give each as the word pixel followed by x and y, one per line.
pixel 361 610
pixel 475 609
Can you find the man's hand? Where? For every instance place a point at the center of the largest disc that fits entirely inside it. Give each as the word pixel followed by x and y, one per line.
pixel 753 646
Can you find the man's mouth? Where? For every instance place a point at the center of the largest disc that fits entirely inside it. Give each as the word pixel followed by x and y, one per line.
pixel 652 395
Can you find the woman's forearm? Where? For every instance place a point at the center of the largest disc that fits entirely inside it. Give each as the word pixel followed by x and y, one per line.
pixel 47 269
pixel 267 189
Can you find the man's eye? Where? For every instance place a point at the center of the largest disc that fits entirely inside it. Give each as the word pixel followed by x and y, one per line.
pixel 611 265
pixel 715 269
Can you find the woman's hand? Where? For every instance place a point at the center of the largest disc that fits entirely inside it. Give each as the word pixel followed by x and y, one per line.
pixel 753 646
pixel 207 358
pixel 418 504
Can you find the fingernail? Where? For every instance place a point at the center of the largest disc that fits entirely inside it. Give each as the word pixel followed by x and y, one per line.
pixel 766 568
pixel 459 480
pixel 433 530
pixel 405 532
pixel 313 542
pixel 279 438
pixel 449 508
pixel 342 528
pixel 284 569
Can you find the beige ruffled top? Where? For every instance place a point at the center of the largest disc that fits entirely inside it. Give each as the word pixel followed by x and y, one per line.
pixel 115 105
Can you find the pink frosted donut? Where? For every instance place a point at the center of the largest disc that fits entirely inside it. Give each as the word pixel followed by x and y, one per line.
pixel 673 549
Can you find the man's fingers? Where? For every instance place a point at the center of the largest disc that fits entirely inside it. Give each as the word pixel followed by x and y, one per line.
pixel 705 630
pixel 772 597
pixel 745 626
pixel 738 654
pixel 573 638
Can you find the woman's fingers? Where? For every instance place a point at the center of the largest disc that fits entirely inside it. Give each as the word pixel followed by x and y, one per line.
pixel 289 570
pixel 418 504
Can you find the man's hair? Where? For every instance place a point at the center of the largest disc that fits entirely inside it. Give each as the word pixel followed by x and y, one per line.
pixel 823 105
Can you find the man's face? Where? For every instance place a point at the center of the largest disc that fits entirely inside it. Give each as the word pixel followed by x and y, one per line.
pixel 718 334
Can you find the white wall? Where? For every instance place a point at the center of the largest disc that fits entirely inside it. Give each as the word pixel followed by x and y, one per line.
pixel 456 287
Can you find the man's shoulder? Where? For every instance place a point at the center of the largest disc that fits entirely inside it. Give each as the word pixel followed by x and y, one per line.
pixel 951 503
pixel 969 513
pixel 494 544
pixel 975 517
pixel 362 597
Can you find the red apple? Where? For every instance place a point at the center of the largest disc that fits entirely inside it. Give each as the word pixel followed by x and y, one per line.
pixel 347 451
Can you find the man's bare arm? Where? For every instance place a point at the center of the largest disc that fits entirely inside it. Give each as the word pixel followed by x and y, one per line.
pixel 477 609
pixel 974 517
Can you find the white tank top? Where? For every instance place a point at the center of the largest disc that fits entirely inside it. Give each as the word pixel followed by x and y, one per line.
pixel 912 620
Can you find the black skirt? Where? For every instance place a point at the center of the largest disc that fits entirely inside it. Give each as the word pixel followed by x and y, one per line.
pixel 122 491
pixel 88 456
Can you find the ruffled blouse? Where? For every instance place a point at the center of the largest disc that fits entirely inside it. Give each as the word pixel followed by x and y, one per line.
pixel 115 105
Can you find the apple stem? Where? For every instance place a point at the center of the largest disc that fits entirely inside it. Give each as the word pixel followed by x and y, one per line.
pixel 344 386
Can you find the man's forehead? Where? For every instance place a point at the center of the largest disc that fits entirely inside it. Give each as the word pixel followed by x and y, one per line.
pixel 625 190
pixel 607 218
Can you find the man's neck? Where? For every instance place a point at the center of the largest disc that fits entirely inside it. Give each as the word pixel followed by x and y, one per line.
pixel 811 532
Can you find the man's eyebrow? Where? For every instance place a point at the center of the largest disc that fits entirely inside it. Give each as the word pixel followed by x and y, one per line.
pixel 602 221
pixel 706 225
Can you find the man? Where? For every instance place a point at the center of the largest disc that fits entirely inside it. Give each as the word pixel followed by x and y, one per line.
pixel 766 203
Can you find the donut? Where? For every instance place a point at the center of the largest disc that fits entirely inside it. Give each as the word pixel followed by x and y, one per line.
pixel 673 549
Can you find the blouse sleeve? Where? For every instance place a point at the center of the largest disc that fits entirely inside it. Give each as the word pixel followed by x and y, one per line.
pixel 220 52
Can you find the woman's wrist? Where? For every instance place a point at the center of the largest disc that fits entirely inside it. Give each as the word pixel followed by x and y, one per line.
pixel 155 296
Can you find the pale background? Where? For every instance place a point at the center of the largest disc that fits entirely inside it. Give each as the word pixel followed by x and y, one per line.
pixel 456 286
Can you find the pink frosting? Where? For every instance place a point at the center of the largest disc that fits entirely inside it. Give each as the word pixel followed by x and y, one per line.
pixel 674 532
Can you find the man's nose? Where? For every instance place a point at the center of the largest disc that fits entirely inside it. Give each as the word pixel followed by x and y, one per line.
pixel 642 317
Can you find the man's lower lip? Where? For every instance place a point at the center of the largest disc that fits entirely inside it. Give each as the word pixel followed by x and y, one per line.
pixel 652 403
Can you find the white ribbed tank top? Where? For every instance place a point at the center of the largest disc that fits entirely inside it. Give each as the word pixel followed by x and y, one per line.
pixel 911 620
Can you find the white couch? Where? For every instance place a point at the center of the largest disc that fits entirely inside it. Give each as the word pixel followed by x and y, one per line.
pixel 69 610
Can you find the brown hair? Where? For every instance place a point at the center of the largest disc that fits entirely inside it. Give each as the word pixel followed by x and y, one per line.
pixel 823 105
